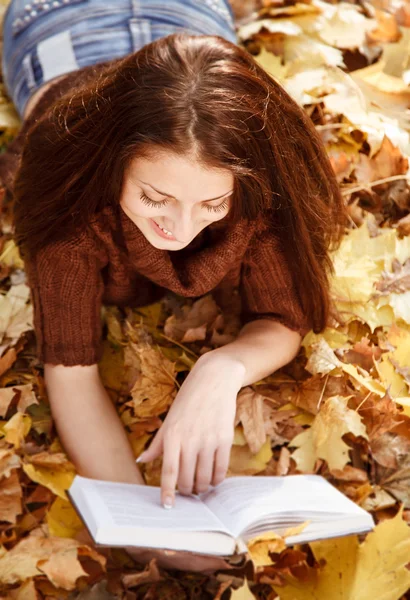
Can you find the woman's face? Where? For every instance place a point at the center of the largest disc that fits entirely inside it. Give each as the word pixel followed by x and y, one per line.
pixel 175 194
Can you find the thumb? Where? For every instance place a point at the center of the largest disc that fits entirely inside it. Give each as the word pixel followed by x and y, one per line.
pixel 154 450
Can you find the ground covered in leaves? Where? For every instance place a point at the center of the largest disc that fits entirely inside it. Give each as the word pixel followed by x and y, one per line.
pixel 340 409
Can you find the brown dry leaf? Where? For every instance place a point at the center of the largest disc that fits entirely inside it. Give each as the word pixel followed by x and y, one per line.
pixel 6 396
pixel 7 360
pixel 151 574
pixel 392 454
pixel 8 461
pixel 363 354
pixel 403 225
pixel 194 334
pixel 280 425
pixel 149 425
pixel 37 554
pixel 27 591
pixel 397 282
pixel 201 314
pixel 25 394
pixel 154 389
pixel 97 592
pixel 388 161
pixel 10 498
pixel 343 160
pixel 310 393
pixel 249 412
pixel 349 473
pixel 62 568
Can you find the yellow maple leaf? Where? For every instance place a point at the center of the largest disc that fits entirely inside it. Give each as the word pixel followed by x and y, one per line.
pixel 243 462
pixel 16 429
pixel 324 438
pixel 62 519
pixel 243 593
pixel 352 571
pixel 270 541
pixel 10 255
pixel 54 471
pixel 272 64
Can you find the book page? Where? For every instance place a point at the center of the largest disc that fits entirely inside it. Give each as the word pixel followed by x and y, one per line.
pixel 241 501
pixel 122 504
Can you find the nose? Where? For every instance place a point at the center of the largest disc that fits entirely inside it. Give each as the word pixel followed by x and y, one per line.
pixel 183 224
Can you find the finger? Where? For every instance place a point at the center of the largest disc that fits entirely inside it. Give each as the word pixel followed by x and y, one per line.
pixel 186 478
pixel 204 469
pixel 154 450
pixel 221 464
pixel 170 469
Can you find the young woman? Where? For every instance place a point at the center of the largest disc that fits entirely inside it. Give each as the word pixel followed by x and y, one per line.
pixel 162 157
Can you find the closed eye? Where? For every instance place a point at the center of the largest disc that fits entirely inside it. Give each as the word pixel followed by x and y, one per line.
pixel 158 204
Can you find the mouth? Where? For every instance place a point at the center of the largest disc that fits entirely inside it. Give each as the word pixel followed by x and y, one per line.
pixel 161 232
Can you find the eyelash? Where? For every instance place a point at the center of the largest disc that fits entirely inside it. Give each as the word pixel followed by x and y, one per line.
pixel 154 204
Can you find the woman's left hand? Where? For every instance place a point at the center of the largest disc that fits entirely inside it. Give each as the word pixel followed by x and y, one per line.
pixel 197 434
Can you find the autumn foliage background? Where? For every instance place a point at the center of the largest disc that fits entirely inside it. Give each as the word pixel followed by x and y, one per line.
pixel 340 409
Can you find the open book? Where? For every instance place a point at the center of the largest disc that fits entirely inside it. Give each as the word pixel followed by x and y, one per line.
pixel 220 521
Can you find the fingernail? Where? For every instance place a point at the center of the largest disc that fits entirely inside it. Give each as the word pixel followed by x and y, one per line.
pixel 139 459
pixel 168 502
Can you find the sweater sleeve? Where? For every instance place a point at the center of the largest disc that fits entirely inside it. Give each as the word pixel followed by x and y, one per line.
pixel 267 286
pixel 66 288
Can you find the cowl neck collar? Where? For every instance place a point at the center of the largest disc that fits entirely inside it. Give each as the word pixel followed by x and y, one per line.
pixel 196 269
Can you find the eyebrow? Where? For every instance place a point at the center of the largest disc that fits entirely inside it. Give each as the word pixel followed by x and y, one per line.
pixel 170 195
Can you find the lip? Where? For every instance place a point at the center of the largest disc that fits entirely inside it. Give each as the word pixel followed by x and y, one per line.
pixel 159 231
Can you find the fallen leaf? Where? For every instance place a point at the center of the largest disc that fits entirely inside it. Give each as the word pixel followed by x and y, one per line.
pixel 324 438
pixel 62 519
pixel 151 574
pixel 10 498
pixel 27 591
pixel 396 282
pixel 62 568
pixel 388 161
pixel 242 593
pixel 243 462
pixel 16 429
pixel 54 471
pixel 154 389
pixel 201 314
pixel 363 571
pixel 250 414
pixel 38 554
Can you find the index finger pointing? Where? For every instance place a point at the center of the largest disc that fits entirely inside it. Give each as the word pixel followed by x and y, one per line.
pixel 169 473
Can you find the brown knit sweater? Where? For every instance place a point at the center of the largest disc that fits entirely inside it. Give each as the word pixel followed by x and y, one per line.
pixel 71 280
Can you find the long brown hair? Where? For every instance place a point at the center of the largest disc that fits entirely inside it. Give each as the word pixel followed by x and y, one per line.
pixel 200 96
